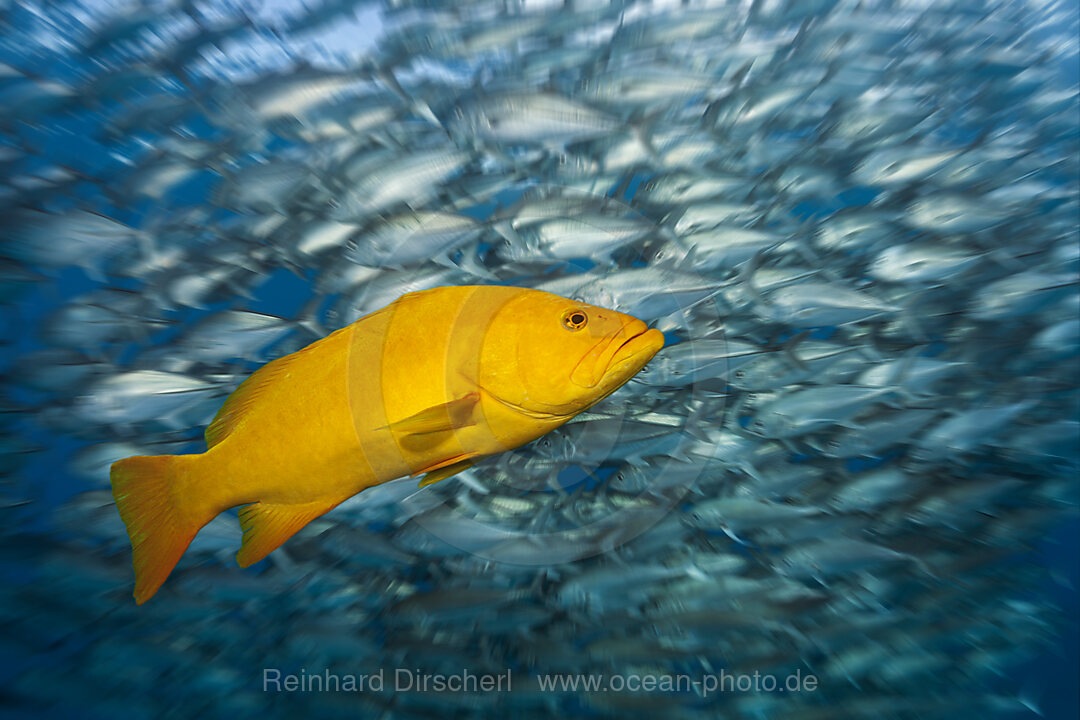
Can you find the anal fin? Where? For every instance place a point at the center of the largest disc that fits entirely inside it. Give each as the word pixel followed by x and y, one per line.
pixel 266 526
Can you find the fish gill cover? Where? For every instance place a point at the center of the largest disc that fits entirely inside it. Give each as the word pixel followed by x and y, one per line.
pixel 856 461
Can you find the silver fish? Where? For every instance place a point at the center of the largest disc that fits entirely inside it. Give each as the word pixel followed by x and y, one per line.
pixel 968 429
pixel 805 411
pixel 516 117
pixel 413 237
pixel 384 183
pixel 142 396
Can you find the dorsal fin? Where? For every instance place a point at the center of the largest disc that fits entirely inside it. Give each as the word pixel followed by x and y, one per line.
pixel 241 399
pixel 245 396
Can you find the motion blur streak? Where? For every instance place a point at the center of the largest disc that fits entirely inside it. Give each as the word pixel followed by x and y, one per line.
pixel 855 222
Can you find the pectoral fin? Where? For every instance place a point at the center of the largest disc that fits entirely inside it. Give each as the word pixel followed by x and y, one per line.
pixel 788 348
pixel 440 418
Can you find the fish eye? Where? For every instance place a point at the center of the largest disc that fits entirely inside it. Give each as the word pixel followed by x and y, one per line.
pixel 574 319
pixel 740 374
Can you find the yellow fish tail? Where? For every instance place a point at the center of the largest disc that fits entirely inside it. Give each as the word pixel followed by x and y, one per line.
pixel 154 509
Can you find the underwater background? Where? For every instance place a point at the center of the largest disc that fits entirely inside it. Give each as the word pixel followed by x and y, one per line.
pixel 855 461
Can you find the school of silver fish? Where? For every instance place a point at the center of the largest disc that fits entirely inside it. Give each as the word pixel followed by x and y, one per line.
pixel 855 222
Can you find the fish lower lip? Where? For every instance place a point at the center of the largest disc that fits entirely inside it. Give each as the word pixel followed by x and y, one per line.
pixel 627 349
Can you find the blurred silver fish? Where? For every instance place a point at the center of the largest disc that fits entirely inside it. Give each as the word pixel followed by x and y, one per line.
pixel 854 222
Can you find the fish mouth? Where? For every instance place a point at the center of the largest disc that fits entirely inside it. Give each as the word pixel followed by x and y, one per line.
pixel 634 353
pixel 609 360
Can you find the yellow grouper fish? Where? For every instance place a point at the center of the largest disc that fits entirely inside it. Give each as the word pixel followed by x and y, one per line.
pixel 428 384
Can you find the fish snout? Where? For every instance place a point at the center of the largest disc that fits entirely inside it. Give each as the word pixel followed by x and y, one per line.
pixel 611 349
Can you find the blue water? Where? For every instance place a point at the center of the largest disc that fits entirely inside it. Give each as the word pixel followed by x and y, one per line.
pixel 74 643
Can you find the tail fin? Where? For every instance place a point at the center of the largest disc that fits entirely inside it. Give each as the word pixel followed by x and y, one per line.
pixel 160 528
